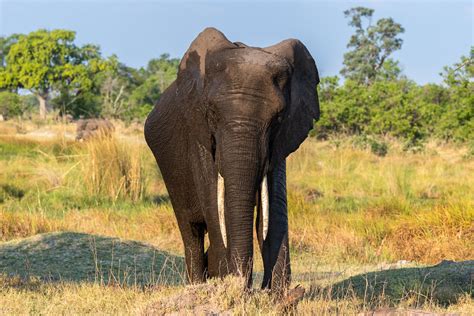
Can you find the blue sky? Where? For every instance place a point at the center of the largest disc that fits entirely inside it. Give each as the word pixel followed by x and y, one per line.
pixel 436 34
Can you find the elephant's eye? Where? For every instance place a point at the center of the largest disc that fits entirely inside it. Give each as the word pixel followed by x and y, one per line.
pixel 217 66
pixel 280 79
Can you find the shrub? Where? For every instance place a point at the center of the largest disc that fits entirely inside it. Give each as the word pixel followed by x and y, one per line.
pixel 399 108
pixel 10 104
pixel 379 148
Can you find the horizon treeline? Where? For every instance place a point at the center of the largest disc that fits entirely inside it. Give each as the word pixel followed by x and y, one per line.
pixel 45 74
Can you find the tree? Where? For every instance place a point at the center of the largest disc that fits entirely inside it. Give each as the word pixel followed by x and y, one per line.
pixel 371 47
pixel 5 44
pixel 164 70
pixel 462 73
pixel 46 61
pixel 159 74
pixel 116 84
pixel 457 120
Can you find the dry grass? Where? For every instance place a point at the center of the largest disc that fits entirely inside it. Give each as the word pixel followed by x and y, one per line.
pixel 346 204
pixel 23 297
pixel 354 205
pixel 348 210
pixel 113 169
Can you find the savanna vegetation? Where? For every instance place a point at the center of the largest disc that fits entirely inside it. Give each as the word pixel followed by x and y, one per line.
pixel 378 197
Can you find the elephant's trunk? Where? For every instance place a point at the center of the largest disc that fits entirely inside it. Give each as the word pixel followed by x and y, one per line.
pixel 265 206
pixel 240 166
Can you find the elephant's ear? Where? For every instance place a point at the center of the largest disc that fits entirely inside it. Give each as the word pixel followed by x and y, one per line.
pixel 192 68
pixel 298 116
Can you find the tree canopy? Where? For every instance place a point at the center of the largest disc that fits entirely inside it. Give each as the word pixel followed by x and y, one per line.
pixel 401 108
pixel 77 79
pixel 371 46
pixel 45 60
pixel 374 99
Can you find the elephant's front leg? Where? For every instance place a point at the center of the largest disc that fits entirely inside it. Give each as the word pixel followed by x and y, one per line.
pixel 193 239
pixel 205 175
pixel 275 247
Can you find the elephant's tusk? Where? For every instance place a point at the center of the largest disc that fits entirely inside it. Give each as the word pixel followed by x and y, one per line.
pixel 221 207
pixel 265 206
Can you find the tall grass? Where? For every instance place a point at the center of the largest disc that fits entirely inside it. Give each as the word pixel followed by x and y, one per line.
pixel 346 205
pixel 349 210
pixel 113 169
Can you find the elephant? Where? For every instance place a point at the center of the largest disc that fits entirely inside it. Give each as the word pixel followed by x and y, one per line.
pixel 220 134
pixel 90 128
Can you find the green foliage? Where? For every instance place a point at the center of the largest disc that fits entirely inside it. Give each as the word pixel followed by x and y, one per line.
pixel 5 44
pixel 115 86
pixel 85 104
pixel 159 74
pixel 163 69
pixel 129 93
pixel 375 99
pixel 371 45
pixel 76 79
pixel 44 58
pixel 377 146
pixel 10 104
pixel 457 121
pixel 401 108
pixel 14 105
pixel 49 61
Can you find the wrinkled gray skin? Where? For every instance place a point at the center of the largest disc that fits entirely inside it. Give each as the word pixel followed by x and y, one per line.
pixel 89 128
pixel 238 111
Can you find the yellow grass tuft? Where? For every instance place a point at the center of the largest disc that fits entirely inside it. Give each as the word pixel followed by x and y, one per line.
pixel 111 168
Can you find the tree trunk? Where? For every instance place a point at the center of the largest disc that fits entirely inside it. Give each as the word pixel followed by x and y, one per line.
pixel 43 109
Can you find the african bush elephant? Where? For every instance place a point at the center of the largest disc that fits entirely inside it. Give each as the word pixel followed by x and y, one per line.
pixel 90 128
pixel 221 134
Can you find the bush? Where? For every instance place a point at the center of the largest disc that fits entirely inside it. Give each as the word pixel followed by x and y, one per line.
pixel 399 108
pixel 379 148
pixel 10 104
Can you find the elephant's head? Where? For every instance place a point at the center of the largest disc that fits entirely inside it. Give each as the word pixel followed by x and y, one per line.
pixel 252 108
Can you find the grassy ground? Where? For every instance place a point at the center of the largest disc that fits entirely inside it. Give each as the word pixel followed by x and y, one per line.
pixel 351 212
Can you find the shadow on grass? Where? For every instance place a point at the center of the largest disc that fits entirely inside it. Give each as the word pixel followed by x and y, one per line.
pixel 78 257
pixel 161 199
pixel 442 284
